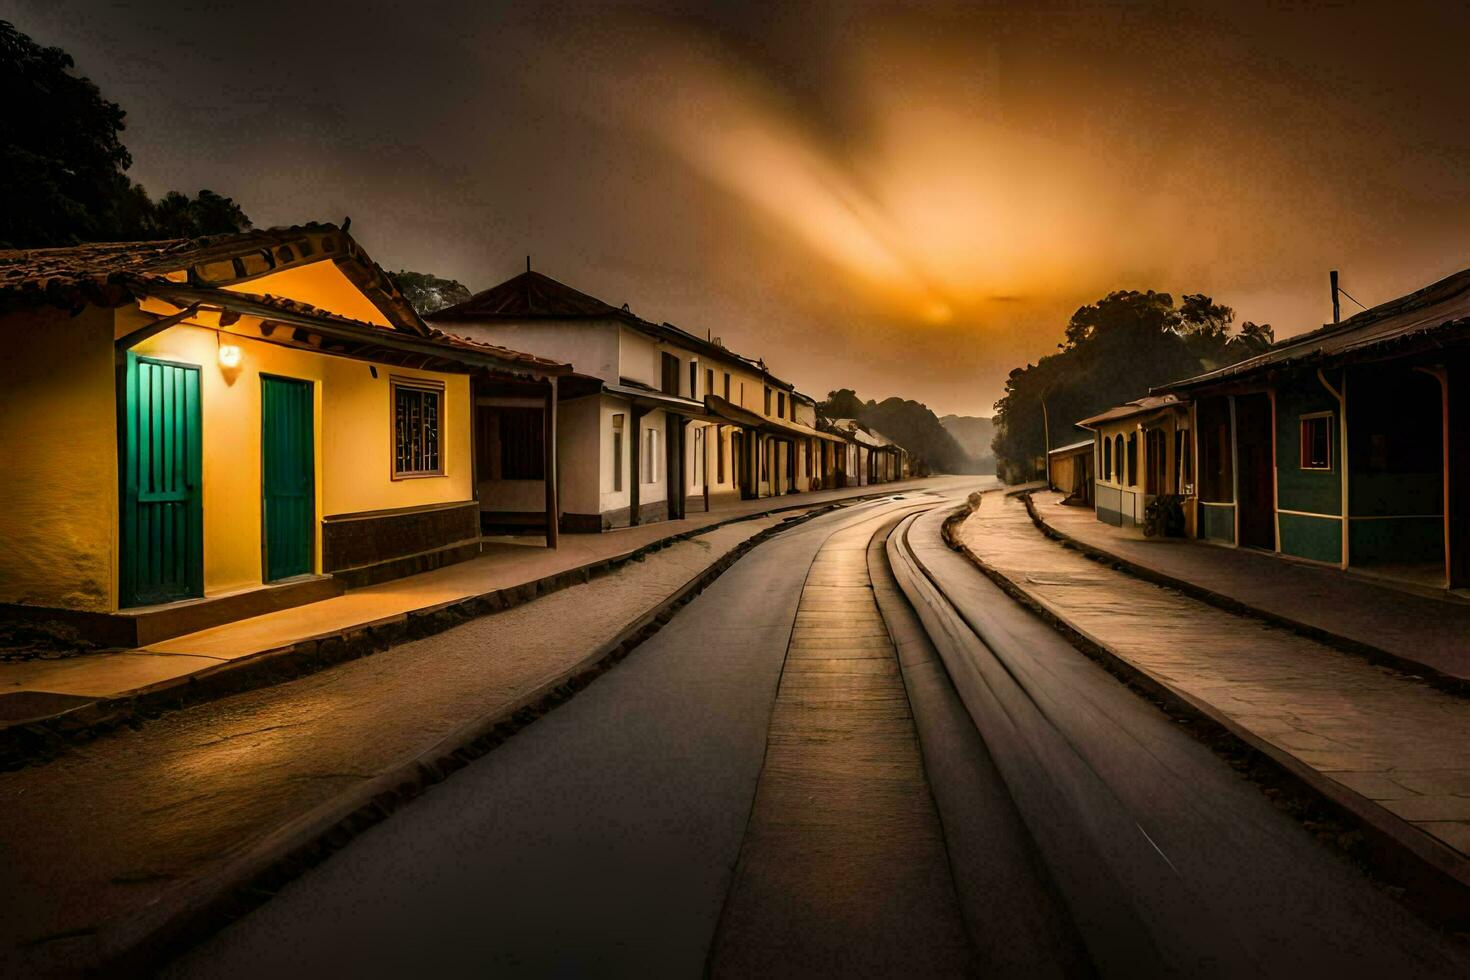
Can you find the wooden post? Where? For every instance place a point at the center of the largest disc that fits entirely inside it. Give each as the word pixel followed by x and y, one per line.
pixel 678 424
pixel 1336 309
pixel 1457 470
pixel 549 469
pixel 705 465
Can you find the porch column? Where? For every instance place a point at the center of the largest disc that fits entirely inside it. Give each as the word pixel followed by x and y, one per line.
pixel 634 472
pixel 705 467
pixel 681 426
pixel 548 464
pixel 1457 470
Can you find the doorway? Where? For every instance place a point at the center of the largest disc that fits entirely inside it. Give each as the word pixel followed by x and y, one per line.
pixel 1255 455
pixel 162 521
pixel 288 477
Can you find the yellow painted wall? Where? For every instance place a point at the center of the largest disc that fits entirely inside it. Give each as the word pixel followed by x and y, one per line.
pixel 354 430
pixel 58 440
pixel 322 285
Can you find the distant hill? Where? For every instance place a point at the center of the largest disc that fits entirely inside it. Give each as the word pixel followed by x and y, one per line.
pixel 911 425
pixel 974 436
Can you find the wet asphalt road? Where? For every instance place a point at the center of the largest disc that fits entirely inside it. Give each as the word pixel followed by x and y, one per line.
pixel 1085 833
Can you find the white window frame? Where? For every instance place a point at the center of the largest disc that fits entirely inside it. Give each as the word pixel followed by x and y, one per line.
pixel 1301 449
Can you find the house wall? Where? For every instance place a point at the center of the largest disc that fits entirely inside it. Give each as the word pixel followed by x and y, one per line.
pixel 353 438
pixel 639 360
pixel 583 436
pixel 648 493
pixel 1308 502
pixel 608 498
pixel 58 436
pixel 1119 502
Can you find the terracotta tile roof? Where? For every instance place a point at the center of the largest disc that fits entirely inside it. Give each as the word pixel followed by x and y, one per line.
pixel 181 294
pixel 505 353
pixel 100 263
pixel 530 295
pixel 102 272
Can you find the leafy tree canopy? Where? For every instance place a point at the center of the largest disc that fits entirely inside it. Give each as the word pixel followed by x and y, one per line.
pixel 428 293
pixel 1112 352
pixel 63 164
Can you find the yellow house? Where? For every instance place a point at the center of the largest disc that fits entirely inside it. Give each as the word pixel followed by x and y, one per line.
pixel 1143 450
pixel 202 430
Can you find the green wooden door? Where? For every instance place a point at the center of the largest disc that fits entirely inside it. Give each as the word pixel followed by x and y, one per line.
pixel 288 467
pixel 162 533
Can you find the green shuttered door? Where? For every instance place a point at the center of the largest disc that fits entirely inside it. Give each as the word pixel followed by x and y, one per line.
pixel 288 465
pixel 162 518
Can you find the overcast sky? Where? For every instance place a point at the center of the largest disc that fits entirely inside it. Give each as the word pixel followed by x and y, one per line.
pixel 903 202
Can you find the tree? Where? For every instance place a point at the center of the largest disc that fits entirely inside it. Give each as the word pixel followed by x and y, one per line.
pixel 428 293
pixel 1113 351
pixel 841 404
pixel 63 163
pixel 61 157
pixel 177 215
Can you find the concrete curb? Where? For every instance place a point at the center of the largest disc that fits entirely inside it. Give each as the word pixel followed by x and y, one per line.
pixel 41 739
pixel 1377 655
pixel 1427 875
pixel 139 945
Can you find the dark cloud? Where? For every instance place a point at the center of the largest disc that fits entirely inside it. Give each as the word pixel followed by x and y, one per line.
pixel 902 200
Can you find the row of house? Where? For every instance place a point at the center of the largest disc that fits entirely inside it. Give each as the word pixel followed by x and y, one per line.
pixel 1348 445
pixel 200 430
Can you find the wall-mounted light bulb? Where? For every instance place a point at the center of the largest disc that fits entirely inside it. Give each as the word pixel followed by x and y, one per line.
pixel 229 356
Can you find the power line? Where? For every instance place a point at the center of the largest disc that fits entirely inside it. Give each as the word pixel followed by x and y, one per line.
pixel 1350 296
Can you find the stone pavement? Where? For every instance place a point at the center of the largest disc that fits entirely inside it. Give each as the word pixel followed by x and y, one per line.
pixel 1371 732
pixel 103 844
pixel 1409 627
pixel 48 686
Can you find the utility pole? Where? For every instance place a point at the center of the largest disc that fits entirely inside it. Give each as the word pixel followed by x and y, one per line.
pixel 1336 309
pixel 1046 438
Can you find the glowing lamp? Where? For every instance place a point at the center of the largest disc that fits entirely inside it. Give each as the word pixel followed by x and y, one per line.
pixel 229 356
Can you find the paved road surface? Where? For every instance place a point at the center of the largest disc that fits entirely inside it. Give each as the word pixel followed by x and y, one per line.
pixel 599 841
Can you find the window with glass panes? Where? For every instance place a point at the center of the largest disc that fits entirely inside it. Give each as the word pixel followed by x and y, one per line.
pixel 417 415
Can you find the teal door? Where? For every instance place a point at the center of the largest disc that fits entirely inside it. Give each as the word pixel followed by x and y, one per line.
pixel 162 533
pixel 288 468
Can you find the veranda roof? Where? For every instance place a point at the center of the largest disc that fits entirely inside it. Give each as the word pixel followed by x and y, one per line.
pixel 1438 313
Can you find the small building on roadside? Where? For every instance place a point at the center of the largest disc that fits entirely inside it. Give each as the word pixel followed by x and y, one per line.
pixel 202 430
pixel 1348 445
pixel 1142 450
pixel 1069 471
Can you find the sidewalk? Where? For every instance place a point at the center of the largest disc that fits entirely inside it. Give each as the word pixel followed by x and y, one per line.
pixel 1353 731
pixel 1392 624
pixel 82 691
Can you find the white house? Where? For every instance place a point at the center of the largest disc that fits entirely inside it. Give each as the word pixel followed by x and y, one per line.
pixel 654 420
